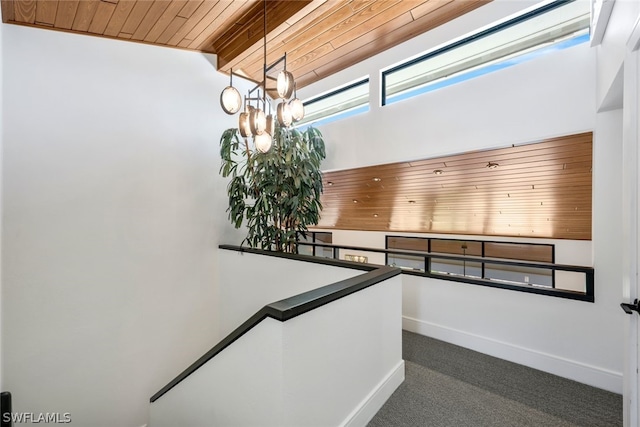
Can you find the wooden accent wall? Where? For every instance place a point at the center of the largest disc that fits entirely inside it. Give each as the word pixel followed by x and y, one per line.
pixel 455 247
pixel 542 189
pixel 536 253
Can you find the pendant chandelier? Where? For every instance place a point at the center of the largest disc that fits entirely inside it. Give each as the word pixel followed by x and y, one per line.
pixel 257 120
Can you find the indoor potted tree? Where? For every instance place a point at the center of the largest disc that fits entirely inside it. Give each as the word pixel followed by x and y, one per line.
pixel 276 193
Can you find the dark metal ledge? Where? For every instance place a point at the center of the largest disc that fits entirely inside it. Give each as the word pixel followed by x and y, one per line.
pixel 305 258
pixel 587 296
pixel 294 306
pixel 560 293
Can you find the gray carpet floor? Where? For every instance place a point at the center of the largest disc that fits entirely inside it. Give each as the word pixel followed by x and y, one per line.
pixel 446 385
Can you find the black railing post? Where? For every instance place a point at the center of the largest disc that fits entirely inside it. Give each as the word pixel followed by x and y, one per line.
pixel 5 403
pixel 589 278
pixel 482 264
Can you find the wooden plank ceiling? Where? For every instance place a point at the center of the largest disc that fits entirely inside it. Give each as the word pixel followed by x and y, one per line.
pixel 320 37
pixel 540 190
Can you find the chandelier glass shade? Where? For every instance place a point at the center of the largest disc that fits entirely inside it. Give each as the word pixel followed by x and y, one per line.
pixel 285 118
pixel 297 109
pixel 230 100
pixel 254 121
pixel 257 121
pixel 284 84
pixel 262 142
pixel 243 124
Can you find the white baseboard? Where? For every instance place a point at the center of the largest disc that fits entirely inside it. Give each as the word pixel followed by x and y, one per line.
pixel 378 396
pixel 574 370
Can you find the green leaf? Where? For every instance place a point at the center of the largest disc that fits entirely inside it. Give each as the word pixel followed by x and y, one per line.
pixel 284 186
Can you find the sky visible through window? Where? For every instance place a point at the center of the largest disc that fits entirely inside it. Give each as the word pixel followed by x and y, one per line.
pixel 549 28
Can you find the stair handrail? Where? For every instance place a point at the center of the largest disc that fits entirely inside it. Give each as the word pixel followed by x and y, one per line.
pixel 291 307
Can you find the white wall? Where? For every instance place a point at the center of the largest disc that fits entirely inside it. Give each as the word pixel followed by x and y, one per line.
pixel 335 365
pixel 494 110
pixel 113 210
pixel 611 52
pixel 569 338
pixel 1 150
pixel 499 322
pixel 343 360
pixel 608 225
pixel 248 282
pixel 241 386
pixel 550 96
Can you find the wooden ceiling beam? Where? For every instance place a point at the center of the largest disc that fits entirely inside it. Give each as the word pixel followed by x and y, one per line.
pixel 310 21
pixel 305 18
pixel 241 35
pixel 344 20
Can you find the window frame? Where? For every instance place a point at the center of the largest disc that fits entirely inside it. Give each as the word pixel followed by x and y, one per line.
pixel 335 116
pixel 313 235
pixel 463 41
pixel 482 243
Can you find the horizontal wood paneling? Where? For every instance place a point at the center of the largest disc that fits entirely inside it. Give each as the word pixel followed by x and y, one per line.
pixel 537 253
pixel 541 189
pixel 407 243
pixel 456 247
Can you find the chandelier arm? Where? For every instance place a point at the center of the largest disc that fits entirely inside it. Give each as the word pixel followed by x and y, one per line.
pixel 278 61
pixel 264 63
pixel 254 122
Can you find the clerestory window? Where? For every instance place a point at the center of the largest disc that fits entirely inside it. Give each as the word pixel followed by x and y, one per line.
pixel 553 26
